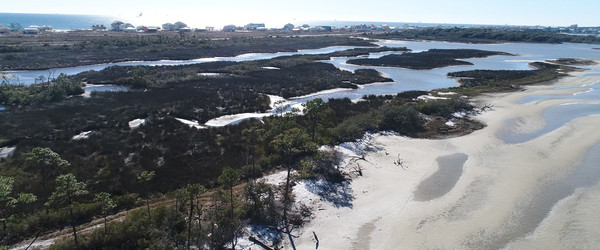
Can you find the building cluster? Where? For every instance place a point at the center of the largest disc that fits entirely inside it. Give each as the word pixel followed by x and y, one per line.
pixel 575 29
pixel 288 28
pixel 251 27
pixel 16 27
pixel 128 27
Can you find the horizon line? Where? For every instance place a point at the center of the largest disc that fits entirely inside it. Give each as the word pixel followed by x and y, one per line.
pixel 120 18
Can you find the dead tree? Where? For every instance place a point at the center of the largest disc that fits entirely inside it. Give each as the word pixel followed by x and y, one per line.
pixel 257 242
pixel 317 240
pixel 399 162
pixel 358 169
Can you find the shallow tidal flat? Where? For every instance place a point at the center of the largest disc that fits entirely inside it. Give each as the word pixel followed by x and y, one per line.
pixel 538 193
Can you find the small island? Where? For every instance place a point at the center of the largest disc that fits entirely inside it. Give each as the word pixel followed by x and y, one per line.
pixel 572 61
pixel 473 82
pixel 433 58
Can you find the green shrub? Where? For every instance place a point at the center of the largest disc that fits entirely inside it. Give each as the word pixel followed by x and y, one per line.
pixel 355 126
pixel 403 119
pixel 443 108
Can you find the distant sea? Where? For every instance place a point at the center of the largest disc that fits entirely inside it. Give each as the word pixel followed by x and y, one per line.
pixel 57 21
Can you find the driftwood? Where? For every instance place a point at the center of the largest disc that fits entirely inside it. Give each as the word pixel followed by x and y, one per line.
pixel 399 162
pixel 257 242
pixel 36 237
pixel 358 169
pixel 316 239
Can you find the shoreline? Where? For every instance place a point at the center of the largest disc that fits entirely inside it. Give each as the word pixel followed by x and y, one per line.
pixel 483 208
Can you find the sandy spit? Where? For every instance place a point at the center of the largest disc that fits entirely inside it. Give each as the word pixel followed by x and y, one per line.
pixel 482 209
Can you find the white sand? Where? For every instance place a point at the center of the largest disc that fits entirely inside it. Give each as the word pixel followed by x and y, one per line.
pixel 226 120
pixel 190 123
pixel 136 123
pixel 276 101
pixel 482 210
pixel 328 91
pixel 82 135
pixel 6 151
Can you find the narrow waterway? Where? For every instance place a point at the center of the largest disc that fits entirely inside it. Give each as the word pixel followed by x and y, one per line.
pixel 28 77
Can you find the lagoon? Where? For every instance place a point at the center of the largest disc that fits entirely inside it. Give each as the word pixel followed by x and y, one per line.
pixel 525 52
pixel 404 79
pixel 28 77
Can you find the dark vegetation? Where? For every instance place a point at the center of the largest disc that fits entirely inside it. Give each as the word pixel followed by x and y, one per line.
pixel 165 159
pixel 433 58
pixel 486 35
pixel 74 49
pixel 476 81
pixel 112 158
pixel 294 77
pixel 114 155
pixel 235 90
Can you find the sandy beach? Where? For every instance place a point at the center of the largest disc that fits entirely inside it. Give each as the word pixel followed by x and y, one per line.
pixel 474 191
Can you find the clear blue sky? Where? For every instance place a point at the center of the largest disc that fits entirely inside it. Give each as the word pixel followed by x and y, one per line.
pixel 278 12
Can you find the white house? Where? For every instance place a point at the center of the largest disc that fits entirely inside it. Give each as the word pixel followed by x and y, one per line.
pixel 31 30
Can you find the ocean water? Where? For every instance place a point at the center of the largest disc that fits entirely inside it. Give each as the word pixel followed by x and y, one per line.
pixel 57 21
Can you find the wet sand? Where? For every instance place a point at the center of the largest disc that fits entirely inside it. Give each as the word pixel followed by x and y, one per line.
pixel 499 197
pixel 441 182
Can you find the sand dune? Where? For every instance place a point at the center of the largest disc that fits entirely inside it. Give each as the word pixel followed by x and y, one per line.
pixel 505 195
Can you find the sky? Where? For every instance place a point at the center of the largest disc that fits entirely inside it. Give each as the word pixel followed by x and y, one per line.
pixel 276 13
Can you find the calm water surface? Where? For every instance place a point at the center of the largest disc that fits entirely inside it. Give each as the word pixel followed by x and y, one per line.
pixel 407 79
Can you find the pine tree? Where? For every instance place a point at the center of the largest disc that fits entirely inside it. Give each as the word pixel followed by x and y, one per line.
pixel 144 178
pixel 107 205
pixel 192 191
pixel 7 201
pixel 68 189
